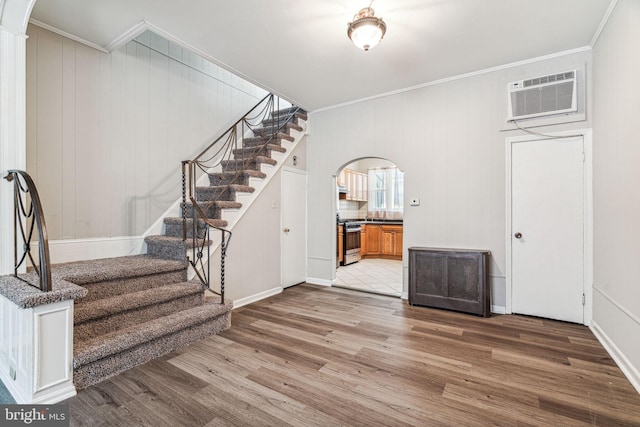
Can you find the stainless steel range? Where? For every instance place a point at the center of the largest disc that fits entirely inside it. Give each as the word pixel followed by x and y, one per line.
pixel 352 242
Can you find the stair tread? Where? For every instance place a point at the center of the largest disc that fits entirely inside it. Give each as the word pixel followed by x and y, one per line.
pixel 162 239
pixel 273 139
pixel 256 159
pixel 96 309
pixel 248 172
pixel 116 342
pixel 284 117
pixel 99 270
pixel 265 147
pixel 268 130
pixel 178 220
pixel 235 187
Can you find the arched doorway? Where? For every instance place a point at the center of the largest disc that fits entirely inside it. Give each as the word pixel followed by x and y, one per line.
pixel 370 207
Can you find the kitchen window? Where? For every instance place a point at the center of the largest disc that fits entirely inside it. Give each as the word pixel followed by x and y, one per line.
pixel 386 193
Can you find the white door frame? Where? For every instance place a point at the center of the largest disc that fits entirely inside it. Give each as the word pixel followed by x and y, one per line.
pixel 588 215
pixel 282 189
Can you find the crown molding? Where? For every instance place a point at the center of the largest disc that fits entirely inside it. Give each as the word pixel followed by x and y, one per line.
pixel 67 35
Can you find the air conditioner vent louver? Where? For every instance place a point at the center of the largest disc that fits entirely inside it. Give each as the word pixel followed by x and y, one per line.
pixel 542 96
pixel 549 79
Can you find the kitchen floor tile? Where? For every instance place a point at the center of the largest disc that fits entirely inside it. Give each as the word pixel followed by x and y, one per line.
pixel 381 276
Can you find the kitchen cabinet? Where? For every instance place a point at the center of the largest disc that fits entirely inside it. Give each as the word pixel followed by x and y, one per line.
pixel 363 241
pixel 340 242
pixel 355 183
pixel 373 240
pixel 342 178
pixel 391 241
pixel 382 241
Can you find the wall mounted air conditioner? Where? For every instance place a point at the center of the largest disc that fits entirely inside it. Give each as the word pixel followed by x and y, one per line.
pixel 542 96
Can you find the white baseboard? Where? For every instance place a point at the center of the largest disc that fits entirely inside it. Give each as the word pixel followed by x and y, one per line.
pixel 256 297
pixel 625 365
pixel 498 309
pixel 55 396
pixel 83 249
pixel 405 295
pixel 321 282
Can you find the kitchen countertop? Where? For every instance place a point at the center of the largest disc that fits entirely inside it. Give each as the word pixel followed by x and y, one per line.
pixel 373 221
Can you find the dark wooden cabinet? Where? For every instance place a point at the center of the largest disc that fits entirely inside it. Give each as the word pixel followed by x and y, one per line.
pixel 454 279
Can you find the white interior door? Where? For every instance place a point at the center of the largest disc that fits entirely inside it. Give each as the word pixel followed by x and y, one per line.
pixel 547 228
pixel 294 227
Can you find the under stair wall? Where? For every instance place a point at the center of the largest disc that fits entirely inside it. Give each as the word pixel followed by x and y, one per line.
pixel 257 237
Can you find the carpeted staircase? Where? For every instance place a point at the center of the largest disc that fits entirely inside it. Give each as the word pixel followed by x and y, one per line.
pixel 137 308
pixel 140 307
pixel 224 186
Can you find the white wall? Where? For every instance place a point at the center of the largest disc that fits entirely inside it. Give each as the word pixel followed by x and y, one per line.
pixel 106 132
pixel 253 264
pixel 616 132
pixel 447 139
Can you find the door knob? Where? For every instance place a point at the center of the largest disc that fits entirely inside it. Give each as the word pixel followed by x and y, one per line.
pixel 286 230
pixel 517 235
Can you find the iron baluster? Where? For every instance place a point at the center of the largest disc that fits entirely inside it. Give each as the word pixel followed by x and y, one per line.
pixel 34 218
pixel 227 156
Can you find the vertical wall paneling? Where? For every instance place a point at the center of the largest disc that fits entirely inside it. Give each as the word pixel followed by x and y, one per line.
pixel 450 141
pixel 106 132
pixel 49 126
pixel 69 142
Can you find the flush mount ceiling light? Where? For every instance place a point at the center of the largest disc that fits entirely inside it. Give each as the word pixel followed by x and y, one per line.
pixel 366 30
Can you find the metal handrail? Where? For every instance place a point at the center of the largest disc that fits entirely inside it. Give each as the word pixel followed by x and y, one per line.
pixel 222 149
pixel 25 220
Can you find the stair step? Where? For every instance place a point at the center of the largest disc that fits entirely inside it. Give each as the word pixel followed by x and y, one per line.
pixel 221 192
pixel 106 269
pixel 241 178
pixel 173 226
pixel 292 109
pixel 168 247
pixel 258 150
pixel 106 315
pixel 253 164
pixel 277 120
pixel 107 355
pixel 286 128
pixel 271 139
pixel 214 209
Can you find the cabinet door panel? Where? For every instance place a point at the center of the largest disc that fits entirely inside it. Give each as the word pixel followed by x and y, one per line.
pixel 373 239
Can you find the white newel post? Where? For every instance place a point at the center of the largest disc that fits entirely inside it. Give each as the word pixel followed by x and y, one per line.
pixel 36 342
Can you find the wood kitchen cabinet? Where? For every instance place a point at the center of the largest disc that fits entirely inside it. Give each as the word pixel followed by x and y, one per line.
pixel 373 240
pixel 391 241
pixel 355 183
pixel 363 241
pixel 340 244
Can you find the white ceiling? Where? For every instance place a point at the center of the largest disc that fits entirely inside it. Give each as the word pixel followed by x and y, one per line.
pixel 299 49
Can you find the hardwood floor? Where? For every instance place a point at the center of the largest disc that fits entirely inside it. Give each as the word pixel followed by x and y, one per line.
pixel 316 356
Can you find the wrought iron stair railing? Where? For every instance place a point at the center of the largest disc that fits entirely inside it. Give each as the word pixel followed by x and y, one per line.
pixel 28 216
pixel 265 119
